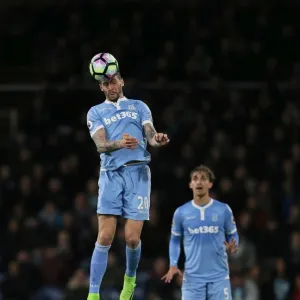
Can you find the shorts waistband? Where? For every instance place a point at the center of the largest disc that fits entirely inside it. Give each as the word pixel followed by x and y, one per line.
pixel 128 164
pixel 133 162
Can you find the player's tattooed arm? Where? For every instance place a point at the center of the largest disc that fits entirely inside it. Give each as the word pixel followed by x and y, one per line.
pixel 150 134
pixel 105 146
pixel 155 139
pixel 102 144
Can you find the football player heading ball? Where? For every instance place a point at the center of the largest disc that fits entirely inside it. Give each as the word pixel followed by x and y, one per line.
pixel 121 128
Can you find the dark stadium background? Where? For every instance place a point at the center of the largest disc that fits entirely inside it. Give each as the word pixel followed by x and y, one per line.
pixel 222 79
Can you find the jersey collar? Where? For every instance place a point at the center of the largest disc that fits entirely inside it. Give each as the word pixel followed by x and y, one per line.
pixel 203 207
pixel 118 101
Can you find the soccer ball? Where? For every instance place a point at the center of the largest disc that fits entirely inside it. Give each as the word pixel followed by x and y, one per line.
pixel 104 66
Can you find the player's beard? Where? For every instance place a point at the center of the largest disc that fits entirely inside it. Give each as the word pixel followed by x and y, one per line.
pixel 113 97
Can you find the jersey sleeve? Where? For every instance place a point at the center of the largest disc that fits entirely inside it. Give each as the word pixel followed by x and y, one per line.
pixel 94 122
pixel 230 226
pixel 177 228
pixel 146 115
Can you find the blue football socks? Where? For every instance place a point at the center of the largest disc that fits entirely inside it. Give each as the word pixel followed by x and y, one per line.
pixel 132 259
pixel 98 267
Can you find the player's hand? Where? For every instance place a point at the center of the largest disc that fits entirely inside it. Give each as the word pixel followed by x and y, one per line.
pixel 128 142
pixel 171 273
pixel 161 138
pixel 231 247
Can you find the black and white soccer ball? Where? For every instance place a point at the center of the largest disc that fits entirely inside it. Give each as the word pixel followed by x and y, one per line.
pixel 104 66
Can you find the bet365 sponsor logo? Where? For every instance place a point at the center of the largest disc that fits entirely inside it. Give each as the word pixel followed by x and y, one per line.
pixel 120 116
pixel 204 229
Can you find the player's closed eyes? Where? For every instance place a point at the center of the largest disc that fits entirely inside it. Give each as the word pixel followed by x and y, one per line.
pixel 203 178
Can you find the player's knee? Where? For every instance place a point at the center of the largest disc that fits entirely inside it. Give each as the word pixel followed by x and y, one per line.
pixel 132 240
pixel 105 237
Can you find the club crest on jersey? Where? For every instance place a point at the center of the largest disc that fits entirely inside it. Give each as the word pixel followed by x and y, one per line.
pixel 215 217
pixel 131 107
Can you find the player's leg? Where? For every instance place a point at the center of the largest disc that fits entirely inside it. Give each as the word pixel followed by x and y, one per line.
pixel 109 207
pixel 133 230
pixel 194 291
pixel 106 232
pixel 219 290
pixel 136 205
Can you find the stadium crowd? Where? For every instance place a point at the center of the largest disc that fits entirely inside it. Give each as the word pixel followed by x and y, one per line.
pixel 155 40
pixel 249 137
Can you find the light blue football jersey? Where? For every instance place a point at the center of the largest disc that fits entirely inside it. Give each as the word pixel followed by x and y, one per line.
pixel 125 116
pixel 204 230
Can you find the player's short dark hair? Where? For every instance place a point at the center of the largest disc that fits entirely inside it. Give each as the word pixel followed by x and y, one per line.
pixel 118 74
pixel 205 169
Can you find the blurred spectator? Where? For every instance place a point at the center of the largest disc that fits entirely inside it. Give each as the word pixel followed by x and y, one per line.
pixel 155 285
pixel 252 284
pixel 92 193
pixel 49 215
pixel 78 286
pixel 15 285
pixel 296 293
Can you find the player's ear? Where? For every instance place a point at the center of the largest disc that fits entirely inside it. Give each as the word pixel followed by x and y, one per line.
pixel 100 86
pixel 190 185
pixel 121 80
pixel 210 185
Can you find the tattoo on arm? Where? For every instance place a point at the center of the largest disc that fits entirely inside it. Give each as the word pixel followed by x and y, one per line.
pixel 102 144
pixel 150 133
